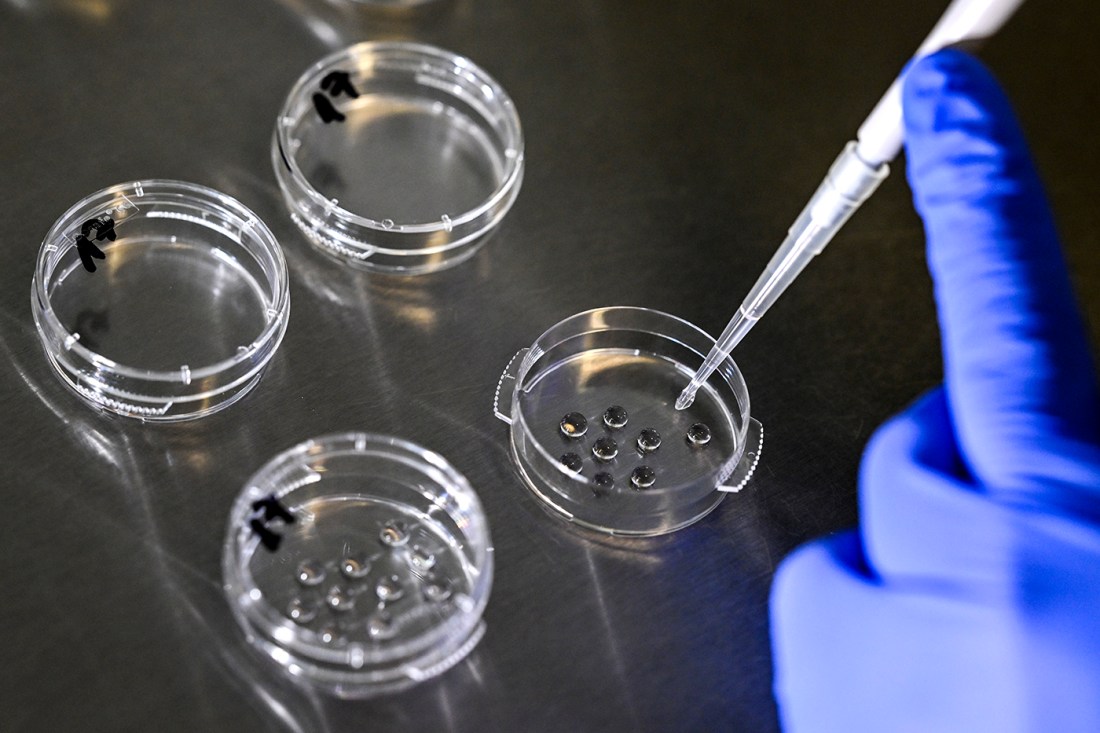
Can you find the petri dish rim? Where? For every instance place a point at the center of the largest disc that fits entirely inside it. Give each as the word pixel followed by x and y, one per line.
pixel 265 619
pixel 182 191
pixel 513 171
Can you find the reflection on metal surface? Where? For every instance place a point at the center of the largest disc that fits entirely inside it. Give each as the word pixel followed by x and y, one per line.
pixel 94 10
pixel 337 23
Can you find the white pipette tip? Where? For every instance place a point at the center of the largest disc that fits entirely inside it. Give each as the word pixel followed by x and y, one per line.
pixel 686 397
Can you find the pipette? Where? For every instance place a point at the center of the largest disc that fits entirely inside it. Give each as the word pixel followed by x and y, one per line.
pixel 851 180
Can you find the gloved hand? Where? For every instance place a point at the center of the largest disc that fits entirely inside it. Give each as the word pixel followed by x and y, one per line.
pixel 969 597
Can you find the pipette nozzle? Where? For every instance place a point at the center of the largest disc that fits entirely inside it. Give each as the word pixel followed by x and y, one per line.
pixel 686 397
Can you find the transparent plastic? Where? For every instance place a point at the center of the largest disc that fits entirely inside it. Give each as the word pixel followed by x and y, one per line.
pixel 849 182
pixel 361 563
pixel 596 437
pixel 187 303
pixel 398 157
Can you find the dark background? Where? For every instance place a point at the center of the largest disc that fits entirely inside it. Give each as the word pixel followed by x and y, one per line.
pixel 669 146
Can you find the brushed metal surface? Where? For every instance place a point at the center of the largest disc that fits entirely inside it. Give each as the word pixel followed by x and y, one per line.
pixel 669 145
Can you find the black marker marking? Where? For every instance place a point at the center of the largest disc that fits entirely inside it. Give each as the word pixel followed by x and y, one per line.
pixel 272 509
pixel 103 226
pixel 325 109
pixel 87 251
pixel 337 83
pixel 270 540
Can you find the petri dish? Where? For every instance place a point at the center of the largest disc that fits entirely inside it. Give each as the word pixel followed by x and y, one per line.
pixel 160 300
pixel 360 563
pixel 595 434
pixel 397 157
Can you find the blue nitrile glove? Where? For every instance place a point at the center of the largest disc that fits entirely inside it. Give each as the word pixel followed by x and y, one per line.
pixel 969 597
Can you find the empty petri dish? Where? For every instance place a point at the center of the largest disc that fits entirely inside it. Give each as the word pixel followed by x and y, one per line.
pixel 397 157
pixel 647 475
pixel 160 300
pixel 361 563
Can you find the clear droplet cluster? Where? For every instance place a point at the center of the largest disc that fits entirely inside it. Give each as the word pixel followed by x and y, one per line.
pixel 366 592
pixel 607 448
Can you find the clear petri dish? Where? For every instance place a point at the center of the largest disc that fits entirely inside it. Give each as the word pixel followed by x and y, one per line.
pixel 397 157
pixel 360 563
pixel 160 300
pixel 595 433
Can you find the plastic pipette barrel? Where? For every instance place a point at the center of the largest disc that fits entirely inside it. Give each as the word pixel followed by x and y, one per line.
pixel 854 176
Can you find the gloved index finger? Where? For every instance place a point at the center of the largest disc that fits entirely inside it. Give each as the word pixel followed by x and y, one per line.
pixel 1019 373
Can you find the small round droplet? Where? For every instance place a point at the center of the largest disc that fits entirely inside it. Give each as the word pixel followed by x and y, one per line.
pixel 605 449
pixel 355 567
pixel 389 589
pixel 649 440
pixel 615 417
pixel 643 477
pixel 602 483
pixel 421 559
pixel 310 573
pixel 438 590
pixel 302 610
pixel 395 533
pixel 698 434
pixel 339 600
pixel 572 461
pixel 574 425
pixel 329 635
pixel 387 223
pixel 380 626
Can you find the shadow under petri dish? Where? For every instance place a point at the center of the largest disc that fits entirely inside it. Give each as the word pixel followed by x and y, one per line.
pixel 401 158
pixel 158 305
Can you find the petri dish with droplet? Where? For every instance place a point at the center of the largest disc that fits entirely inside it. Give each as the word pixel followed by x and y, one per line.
pixel 398 157
pixel 160 300
pixel 620 369
pixel 360 563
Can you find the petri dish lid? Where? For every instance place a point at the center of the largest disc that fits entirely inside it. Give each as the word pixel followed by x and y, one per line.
pixel 398 157
pixel 360 563
pixel 160 300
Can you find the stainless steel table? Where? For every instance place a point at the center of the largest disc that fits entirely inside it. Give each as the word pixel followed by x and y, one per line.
pixel 669 145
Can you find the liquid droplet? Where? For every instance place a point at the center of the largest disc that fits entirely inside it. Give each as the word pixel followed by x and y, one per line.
pixel 438 590
pixel 387 223
pixel 395 533
pixel 605 449
pixel 355 567
pixel 649 440
pixel 698 434
pixel 572 461
pixel 310 573
pixel 574 425
pixel 302 610
pixel 615 417
pixel 380 626
pixel 643 477
pixel 339 600
pixel 389 589
pixel 602 483
pixel 421 559
pixel 329 635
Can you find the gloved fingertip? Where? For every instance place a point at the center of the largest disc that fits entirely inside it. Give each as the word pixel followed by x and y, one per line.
pixel 938 87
